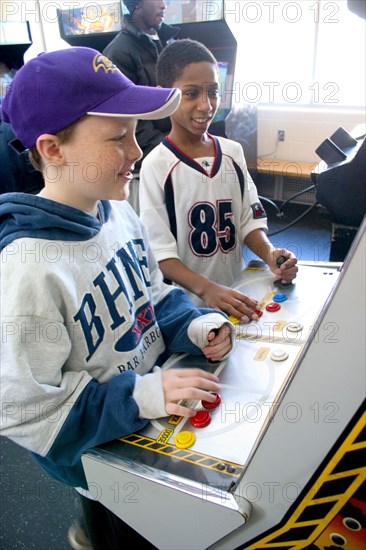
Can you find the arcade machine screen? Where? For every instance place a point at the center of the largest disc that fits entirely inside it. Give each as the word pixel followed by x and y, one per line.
pixel 93 25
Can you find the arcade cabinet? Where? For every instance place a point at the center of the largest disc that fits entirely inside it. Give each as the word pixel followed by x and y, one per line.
pixel 278 460
pixel 205 22
pixel 340 180
pixel 17 173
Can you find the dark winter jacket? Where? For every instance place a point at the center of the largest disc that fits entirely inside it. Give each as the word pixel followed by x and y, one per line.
pixel 136 54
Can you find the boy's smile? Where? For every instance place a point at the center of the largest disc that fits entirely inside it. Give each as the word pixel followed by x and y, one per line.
pixel 96 162
pixel 200 99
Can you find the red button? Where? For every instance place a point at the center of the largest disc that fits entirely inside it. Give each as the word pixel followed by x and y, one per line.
pixel 201 419
pixel 273 306
pixel 258 312
pixel 216 403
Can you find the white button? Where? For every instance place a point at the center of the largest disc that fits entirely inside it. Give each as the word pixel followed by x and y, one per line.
pixel 294 327
pixel 279 355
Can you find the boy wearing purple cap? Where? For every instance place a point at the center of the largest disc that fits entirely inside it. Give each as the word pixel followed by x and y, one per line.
pixel 86 315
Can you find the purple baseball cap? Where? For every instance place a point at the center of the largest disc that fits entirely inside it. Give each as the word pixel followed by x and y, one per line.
pixel 55 89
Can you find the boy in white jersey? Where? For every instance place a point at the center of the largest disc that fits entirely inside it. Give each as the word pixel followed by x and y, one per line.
pixel 197 199
pixel 86 315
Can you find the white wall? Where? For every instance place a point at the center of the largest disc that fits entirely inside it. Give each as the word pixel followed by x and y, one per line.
pixel 305 129
pixel 275 63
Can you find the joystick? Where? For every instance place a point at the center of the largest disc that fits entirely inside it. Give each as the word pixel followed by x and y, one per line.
pixel 281 260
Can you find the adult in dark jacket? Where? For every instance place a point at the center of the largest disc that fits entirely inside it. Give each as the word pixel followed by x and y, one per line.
pixel 135 51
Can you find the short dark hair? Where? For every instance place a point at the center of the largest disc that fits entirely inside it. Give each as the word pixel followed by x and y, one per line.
pixel 131 5
pixel 176 56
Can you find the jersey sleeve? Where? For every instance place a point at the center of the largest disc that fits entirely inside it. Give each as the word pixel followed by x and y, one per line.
pixel 153 211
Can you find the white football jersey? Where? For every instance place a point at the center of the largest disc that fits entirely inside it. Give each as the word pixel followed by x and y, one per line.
pixel 200 210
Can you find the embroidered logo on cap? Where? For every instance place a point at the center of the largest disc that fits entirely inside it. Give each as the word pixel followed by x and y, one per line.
pixel 102 62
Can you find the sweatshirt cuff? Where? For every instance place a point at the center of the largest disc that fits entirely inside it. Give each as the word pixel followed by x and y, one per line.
pixel 149 395
pixel 200 327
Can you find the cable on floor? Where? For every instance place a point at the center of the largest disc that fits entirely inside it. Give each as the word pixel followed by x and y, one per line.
pixel 310 188
pixel 293 222
pixel 280 213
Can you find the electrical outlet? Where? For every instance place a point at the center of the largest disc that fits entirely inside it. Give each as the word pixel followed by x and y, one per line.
pixel 280 135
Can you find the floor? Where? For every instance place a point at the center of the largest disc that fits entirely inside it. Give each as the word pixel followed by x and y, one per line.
pixel 36 511
pixel 309 239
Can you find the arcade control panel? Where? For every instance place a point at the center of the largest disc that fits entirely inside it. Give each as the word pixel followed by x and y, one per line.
pixel 215 446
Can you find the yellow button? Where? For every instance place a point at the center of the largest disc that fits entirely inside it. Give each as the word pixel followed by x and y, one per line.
pixel 234 320
pixel 184 439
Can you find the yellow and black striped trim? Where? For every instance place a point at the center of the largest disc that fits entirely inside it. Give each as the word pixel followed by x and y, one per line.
pixel 186 455
pixel 338 481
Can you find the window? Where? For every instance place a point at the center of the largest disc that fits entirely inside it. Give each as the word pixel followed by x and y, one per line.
pixel 302 52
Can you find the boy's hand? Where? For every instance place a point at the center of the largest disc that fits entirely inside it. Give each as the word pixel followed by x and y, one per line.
pixel 230 301
pixel 219 343
pixel 284 265
pixel 187 384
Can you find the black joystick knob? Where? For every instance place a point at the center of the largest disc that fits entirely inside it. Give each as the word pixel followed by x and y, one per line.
pixel 281 260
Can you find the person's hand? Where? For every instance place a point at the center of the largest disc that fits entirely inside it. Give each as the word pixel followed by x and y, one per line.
pixel 287 269
pixel 219 343
pixel 187 384
pixel 230 301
